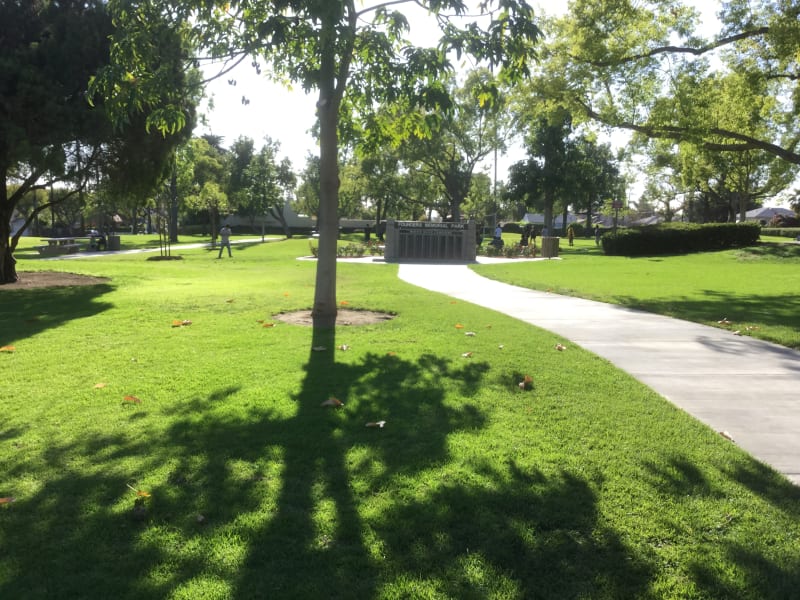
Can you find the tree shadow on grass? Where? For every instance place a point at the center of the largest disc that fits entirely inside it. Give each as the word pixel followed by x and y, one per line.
pixel 729 567
pixel 518 534
pixel 25 313
pixel 262 477
pixel 780 310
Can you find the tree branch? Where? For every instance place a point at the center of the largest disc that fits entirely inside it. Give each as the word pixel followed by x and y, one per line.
pixel 674 132
pixel 683 49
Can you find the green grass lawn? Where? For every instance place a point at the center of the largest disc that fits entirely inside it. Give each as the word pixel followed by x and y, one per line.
pixel 589 485
pixel 755 289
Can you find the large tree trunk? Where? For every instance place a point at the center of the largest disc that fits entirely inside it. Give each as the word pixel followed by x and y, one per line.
pixel 8 269
pixel 324 310
pixel 173 206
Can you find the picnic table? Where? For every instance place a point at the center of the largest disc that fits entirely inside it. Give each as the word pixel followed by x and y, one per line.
pixel 60 245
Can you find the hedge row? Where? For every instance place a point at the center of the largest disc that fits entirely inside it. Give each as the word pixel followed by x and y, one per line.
pixel 789 232
pixel 679 238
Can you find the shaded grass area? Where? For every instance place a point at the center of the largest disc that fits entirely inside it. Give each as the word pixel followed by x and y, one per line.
pixel 755 289
pixel 587 486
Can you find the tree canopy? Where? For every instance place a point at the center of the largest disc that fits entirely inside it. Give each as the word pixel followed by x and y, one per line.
pixel 50 133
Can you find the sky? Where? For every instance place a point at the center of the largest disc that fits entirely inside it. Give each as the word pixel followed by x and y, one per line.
pixel 287 116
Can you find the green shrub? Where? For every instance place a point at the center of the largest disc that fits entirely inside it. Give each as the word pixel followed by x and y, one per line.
pixel 787 232
pixel 679 238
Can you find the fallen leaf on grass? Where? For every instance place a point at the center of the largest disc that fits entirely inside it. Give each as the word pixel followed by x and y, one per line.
pixel 7 500
pixel 459 326
pixel 453 302
pixel 8 349
pixel 391 353
pixel 100 386
pixel 379 424
pixel 467 355
pixel 726 435
pixel 724 321
pixel 139 493
pixel 501 346
pixel 470 334
pixel 344 303
pixel 344 347
pixel 737 332
pixel 268 324
pixel 335 402
pixel 526 383
pixel 560 347
pixel 132 399
pixel 181 323
pixel 229 300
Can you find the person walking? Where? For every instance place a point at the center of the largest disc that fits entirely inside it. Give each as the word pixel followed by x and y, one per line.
pixel 225 240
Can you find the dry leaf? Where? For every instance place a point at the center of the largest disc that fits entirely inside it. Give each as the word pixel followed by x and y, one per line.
pixel 470 334
pixel 259 320
pixel 229 300
pixel 376 424
pixel 726 435
pixel 391 353
pixel 7 500
pixel 453 302
pixel 344 347
pixel 526 383
pixel 142 494
pixel 344 303
pixel 560 347
pixel 459 326
pixel 724 321
pixel 737 332
pixel 7 349
pixel 335 402
pixel 467 355
pixel 186 322
pixel 268 324
pixel 319 348
pixel 132 399
pixel 177 323
pixel 501 346
pixel 286 294
pixel 100 386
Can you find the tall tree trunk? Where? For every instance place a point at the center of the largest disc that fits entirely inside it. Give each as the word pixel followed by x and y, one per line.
pixel 173 206
pixel 548 213
pixel 8 269
pixel 324 310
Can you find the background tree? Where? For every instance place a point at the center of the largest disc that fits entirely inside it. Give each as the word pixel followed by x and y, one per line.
pixel 329 46
pixel 269 185
pixel 645 67
pixel 49 134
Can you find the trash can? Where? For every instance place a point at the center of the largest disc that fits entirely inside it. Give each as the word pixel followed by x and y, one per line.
pixel 113 242
pixel 550 247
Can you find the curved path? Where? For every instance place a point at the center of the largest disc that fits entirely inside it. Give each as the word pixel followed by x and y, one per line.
pixel 740 385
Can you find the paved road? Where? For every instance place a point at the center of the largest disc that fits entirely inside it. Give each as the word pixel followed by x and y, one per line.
pixel 746 387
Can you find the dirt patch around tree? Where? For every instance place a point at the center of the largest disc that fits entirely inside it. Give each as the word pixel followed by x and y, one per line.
pixel 343 317
pixel 44 279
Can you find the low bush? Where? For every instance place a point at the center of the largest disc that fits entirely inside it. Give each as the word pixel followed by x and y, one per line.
pixel 787 232
pixel 679 238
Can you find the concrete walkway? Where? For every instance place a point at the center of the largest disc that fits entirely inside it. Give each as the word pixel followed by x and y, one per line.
pixel 746 387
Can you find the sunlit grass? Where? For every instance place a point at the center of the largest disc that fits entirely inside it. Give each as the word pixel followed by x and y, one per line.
pixel 753 288
pixel 588 485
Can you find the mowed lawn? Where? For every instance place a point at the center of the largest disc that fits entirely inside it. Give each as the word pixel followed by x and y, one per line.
pixel 162 436
pixel 751 290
